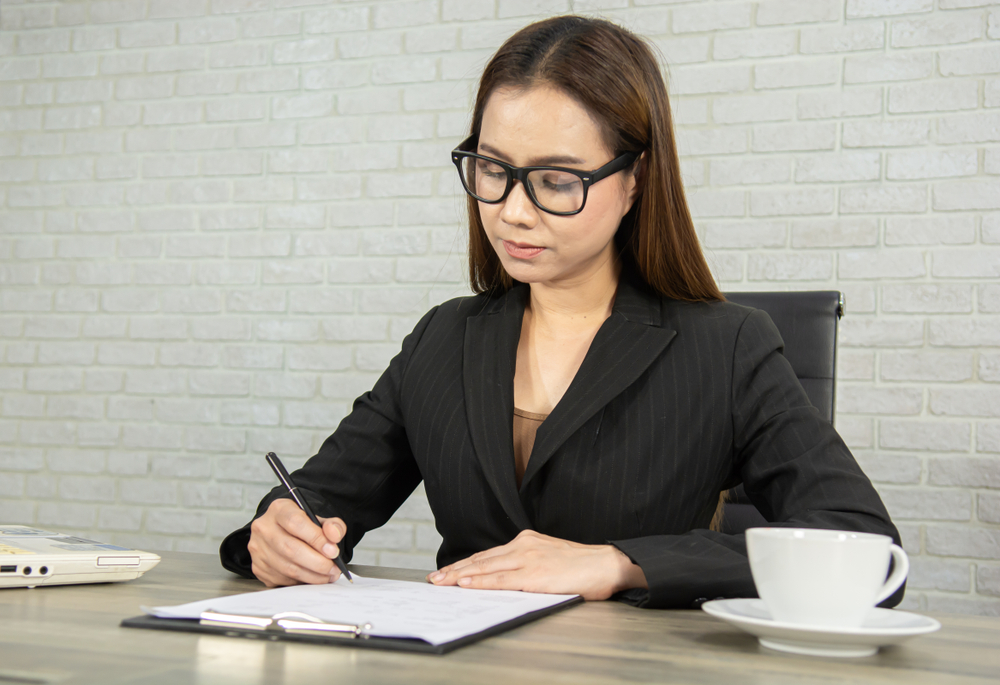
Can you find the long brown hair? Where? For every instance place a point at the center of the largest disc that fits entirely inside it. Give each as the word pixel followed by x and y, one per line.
pixel 616 78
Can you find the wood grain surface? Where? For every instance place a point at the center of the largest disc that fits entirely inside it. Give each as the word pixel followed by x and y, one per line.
pixel 70 635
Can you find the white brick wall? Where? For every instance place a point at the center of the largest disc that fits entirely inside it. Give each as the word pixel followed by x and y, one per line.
pixel 218 218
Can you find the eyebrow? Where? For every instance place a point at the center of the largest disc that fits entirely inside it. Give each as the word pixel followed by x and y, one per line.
pixel 541 161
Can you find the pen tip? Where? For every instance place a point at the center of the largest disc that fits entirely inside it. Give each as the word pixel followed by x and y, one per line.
pixel 351 581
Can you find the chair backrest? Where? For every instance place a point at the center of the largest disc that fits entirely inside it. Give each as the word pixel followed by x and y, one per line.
pixel 807 322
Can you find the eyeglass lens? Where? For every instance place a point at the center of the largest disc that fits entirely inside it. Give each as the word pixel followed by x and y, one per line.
pixel 553 190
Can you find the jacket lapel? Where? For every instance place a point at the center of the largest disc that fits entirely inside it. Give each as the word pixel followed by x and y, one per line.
pixel 628 342
pixel 488 375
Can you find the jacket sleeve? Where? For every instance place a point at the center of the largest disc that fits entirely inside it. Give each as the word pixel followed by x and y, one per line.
pixel 795 468
pixel 362 473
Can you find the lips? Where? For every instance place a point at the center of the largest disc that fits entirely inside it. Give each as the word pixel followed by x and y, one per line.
pixel 520 251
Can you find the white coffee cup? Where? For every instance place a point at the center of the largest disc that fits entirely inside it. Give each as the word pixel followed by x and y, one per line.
pixel 828 578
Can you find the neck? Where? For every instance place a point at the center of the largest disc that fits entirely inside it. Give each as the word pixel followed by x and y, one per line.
pixel 579 303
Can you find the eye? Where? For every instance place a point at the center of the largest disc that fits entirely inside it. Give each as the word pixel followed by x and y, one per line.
pixel 560 182
pixel 488 168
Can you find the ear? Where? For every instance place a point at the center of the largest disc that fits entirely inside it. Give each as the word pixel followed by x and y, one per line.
pixel 636 180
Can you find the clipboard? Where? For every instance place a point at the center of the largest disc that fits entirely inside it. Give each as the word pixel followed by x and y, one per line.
pixel 299 627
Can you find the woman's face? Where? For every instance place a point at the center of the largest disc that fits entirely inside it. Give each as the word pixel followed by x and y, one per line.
pixel 545 127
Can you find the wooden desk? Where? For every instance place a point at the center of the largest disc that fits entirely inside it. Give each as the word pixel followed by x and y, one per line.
pixel 70 635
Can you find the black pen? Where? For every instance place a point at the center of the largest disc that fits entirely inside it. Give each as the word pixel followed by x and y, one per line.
pixel 286 480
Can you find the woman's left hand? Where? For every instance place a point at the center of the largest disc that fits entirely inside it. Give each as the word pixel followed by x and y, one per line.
pixel 540 563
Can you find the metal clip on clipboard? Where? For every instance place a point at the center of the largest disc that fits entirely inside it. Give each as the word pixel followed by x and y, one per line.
pixel 288 622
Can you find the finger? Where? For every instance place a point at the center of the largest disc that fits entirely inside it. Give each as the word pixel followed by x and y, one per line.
pixel 288 552
pixel 497 563
pixel 437 577
pixel 334 529
pixel 503 580
pixel 274 569
pixel 294 575
pixel 462 563
pixel 452 567
pixel 278 556
pixel 485 554
pixel 510 547
pixel 288 547
pixel 490 564
pixel 296 523
pixel 269 576
pixel 269 580
pixel 467 560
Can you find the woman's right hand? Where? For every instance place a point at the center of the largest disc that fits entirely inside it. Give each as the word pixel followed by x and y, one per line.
pixel 287 548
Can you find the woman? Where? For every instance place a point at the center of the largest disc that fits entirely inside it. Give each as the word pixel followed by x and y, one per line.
pixel 576 421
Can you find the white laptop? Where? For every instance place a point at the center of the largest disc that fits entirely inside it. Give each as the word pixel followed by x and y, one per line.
pixel 31 557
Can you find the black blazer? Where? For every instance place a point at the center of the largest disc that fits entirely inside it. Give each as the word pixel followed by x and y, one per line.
pixel 674 402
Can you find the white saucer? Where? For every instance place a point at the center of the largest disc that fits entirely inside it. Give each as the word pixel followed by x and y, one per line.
pixel 882 627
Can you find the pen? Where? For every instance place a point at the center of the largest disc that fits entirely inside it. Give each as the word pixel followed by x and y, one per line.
pixel 286 480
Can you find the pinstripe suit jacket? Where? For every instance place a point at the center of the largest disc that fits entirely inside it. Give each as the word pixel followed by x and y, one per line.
pixel 673 403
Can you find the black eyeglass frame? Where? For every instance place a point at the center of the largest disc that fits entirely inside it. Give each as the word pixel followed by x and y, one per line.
pixel 514 173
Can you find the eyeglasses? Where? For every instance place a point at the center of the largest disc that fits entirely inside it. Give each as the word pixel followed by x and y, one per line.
pixel 552 189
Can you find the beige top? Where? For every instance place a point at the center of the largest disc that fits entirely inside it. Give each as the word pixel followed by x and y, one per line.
pixel 525 426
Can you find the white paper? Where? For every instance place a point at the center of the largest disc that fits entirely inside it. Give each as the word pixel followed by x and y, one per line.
pixel 394 608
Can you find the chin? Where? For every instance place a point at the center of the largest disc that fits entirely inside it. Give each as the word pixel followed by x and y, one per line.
pixel 518 269
pixel 524 275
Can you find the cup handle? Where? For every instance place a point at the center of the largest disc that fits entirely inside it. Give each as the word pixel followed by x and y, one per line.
pixel 899 571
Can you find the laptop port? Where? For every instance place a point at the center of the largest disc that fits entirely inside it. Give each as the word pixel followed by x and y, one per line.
pixel 8 568
pixel 44 570
pixel 26 570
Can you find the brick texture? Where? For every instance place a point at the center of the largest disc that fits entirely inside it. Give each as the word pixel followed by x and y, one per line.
pixel 219 219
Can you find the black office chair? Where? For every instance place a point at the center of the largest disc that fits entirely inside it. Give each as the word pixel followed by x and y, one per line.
pixel 807 322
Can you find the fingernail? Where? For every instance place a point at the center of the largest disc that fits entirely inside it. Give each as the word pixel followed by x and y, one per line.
pixel 436 576
pixel 330 550
pixel 465 581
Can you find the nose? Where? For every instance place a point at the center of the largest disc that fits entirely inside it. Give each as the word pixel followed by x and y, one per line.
pixel 518 209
